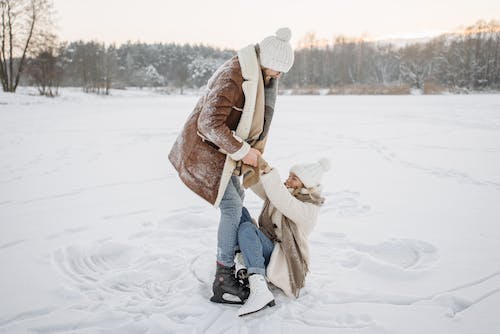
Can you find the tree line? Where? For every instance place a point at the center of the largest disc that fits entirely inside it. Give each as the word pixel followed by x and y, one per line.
pixel 465 60
pixel 96 67
pixel 31 55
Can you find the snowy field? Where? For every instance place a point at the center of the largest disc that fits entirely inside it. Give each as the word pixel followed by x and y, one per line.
pixel 99 235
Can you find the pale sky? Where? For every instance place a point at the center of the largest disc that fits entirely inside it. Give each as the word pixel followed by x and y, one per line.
pixel 236 23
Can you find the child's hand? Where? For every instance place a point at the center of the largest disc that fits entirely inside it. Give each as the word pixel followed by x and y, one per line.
pixel 264 167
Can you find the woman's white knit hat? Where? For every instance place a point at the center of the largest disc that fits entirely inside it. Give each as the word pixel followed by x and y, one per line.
pixel 276 51
pixel 311 174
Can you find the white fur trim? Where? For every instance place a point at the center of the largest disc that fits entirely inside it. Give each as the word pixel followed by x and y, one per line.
pixel 249 63
pixel 250 70
pixel 240 154
pixel 227 171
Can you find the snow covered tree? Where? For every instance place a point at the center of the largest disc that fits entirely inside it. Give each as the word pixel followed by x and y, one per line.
pixel 110 67
pixel 149 77
pixel 46 72
pixel 414 68
pixel 469 59
pixel 201 69
pixel 385 65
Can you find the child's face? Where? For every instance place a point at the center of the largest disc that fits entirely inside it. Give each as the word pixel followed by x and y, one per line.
pixel 293 182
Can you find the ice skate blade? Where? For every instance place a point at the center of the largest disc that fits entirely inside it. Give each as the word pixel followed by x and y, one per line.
pixel 220 300
pixel 270 304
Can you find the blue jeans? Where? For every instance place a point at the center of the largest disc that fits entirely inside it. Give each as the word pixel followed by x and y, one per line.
pixel 230 208
pixel 254 245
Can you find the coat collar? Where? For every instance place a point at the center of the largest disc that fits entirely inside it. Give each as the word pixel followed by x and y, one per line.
pixel 249 63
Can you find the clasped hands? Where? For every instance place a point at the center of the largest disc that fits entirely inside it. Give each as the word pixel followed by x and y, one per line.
pixel 254 159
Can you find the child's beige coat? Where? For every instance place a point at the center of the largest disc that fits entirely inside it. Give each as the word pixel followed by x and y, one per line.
pixel 303 214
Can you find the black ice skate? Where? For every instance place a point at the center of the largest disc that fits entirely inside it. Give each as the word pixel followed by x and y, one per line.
pixel 227 288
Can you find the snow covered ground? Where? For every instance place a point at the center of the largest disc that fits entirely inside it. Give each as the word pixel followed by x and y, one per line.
pixel 98 234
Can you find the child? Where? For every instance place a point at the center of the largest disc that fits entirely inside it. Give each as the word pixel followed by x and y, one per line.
pixel 278 246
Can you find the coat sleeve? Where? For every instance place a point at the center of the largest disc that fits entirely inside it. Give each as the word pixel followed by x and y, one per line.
pixel 302 214
pixel 258 189
pixel 213 116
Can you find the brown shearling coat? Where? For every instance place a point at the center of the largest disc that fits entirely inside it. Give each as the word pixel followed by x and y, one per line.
pixel 216 114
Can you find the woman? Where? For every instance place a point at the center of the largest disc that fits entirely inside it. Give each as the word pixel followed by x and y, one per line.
pixel 278 247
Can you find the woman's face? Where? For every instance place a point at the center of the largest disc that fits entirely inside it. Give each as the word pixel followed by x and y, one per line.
pixel 268 74
pixel 271 73
pixel 293 182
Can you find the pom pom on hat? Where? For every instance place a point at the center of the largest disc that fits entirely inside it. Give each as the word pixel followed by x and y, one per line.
pixel 276 51
pixel 311 174
pixel 284 34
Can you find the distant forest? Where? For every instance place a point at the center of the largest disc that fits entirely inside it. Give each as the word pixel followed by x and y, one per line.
pixel 464 61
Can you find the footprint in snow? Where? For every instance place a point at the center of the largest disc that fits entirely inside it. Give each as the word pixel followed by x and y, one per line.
pixel 407 254
pixel 131 278
pixel 345 204
pixel 398 255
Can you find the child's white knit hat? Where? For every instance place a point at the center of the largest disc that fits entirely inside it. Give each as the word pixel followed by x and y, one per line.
pixel 311 174
pixel 276 51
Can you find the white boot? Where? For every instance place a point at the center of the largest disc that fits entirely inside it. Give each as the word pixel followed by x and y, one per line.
pixel 260 296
